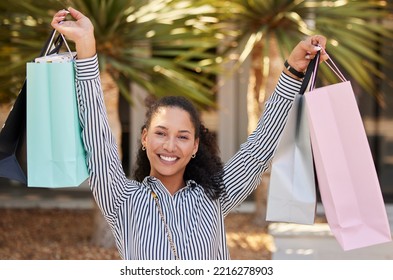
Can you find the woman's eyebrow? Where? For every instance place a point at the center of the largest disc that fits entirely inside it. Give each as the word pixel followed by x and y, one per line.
pixel 180 131
pixel 162 127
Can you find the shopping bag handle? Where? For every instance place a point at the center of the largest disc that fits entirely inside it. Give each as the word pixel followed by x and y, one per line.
pixel 329 62
pixel 57 43
pixel 311 73
pixel 312 70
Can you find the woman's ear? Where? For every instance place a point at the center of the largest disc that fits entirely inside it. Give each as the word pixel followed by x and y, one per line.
pixel 144 137
pixel 196 146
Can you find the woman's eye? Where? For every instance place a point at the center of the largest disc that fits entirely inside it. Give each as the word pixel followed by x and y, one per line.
pixel 183 137
pixel 160 133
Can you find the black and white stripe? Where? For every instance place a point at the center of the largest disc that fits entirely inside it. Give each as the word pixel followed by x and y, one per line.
pixel 195 221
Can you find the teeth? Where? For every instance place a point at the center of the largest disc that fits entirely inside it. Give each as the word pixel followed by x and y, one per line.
pixel 168 158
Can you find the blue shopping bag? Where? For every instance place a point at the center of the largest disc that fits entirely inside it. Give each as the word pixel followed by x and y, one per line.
pixel 55 152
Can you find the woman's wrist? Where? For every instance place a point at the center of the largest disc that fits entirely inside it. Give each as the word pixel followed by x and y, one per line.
pixel 286 71
pixel 292 71
pixel 86 48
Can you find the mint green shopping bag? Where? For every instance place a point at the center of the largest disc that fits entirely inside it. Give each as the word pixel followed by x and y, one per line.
pixel 55 153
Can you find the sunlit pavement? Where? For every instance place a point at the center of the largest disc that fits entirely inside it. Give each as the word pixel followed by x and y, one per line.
pixel 316 242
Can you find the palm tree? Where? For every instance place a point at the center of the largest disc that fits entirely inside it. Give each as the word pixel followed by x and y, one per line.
pixel 164 46
pixel 356 30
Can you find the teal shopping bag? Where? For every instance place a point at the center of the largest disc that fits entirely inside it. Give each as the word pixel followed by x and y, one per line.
pixel 55 152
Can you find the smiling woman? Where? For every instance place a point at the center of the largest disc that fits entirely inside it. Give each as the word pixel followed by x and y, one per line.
pixel 175 206
pixel 170 142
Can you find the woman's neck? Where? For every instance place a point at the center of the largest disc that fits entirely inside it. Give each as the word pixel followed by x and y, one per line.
pixel 172 184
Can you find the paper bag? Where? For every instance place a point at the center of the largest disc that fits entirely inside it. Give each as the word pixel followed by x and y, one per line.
pixel 13 164
pixel 55 152
pixel 347 177
pixel 292 192
pixel 292 189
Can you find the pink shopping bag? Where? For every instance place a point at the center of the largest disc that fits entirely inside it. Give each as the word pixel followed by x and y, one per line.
pixel 348 182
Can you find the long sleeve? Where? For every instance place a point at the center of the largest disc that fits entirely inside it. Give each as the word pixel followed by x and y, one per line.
pixel 107 178
pixel 243 172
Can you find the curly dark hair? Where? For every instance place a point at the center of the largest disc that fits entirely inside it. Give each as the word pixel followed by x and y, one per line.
pixel 206 168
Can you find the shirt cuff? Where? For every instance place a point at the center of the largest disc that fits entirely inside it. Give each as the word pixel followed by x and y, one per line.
pixel 87 68
pixel 287 86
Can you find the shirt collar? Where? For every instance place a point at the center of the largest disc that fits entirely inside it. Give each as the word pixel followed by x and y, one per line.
pixel 158 187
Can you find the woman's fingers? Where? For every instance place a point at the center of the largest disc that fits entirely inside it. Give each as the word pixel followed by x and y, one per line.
pixel 76 14
pixel 320 42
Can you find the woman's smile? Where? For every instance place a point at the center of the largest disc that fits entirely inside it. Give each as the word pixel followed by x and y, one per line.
pixel 169 159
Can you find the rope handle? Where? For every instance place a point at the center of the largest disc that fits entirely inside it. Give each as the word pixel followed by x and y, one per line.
pixel 312 70
pixel 51 51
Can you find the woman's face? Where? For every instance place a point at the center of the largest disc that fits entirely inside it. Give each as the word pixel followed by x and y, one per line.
pixel 170 142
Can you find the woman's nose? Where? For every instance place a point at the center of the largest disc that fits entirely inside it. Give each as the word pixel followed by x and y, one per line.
pixel 170 145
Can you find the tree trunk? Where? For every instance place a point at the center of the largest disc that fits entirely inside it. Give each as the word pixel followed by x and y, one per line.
pixel 263 77
pixel 103 236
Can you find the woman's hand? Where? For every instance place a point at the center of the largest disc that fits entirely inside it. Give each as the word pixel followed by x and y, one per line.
pixel 80 30
pixel 305 51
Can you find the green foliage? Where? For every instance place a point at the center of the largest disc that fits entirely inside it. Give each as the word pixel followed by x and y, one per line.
pixel 166 46
pixel 356 31
pixel 171 46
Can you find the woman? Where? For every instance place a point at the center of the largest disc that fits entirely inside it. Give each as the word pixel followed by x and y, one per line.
pixel 176 205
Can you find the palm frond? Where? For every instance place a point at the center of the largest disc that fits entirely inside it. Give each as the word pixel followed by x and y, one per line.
pixel 356 31
pixel 134 39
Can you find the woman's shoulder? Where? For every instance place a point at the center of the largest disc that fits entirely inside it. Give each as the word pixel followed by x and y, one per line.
pixel 134 185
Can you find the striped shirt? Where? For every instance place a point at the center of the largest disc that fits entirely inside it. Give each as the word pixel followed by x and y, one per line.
pixel 196 222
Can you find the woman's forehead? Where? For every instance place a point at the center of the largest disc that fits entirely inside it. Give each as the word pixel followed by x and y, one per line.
pixel 172 117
